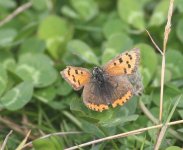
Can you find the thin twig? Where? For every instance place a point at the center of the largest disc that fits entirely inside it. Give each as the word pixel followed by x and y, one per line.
pixel 166 34
pixel 6 139
pixel 168 25
pixel 138 131
pixel 157 47
pixel 162 87
pixel 24 141
pixel 52 134
pixel 155 121
pixel 15 13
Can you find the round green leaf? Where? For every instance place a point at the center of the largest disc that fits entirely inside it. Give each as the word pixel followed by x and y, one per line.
pixel 3 79
pixel 160 14
pixel 53 27
pixel 131 12
pixel 45 94
pixel 85 9
pixel 18 96
pixel 56 31
pixel 71 59
pixel 32 45
pixel 40 4
pixel 37 68
pixel 83 51
pixel 7 36
pixel 114 26
pixel 116 44
pixel 69 12
pixel 119 42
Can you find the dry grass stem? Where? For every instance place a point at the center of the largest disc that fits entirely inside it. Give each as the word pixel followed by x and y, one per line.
pixel 166 34
pixel 168 25
pixel 162 87
pixel 152 40
pixel 155 121
pixel 138 131
pixel 15 13
pixel 6 139
pixel 23 142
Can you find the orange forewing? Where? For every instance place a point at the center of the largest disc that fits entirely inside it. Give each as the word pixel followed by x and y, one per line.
pixel 77 77
pixel 126 63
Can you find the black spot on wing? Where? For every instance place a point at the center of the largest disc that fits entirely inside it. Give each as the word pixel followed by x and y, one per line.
pixel 120 60
pixel 69 69
pixel 76 71
pixel 130 56
pixel 68 72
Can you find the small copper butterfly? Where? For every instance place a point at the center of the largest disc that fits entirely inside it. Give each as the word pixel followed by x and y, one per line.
pixel 113 84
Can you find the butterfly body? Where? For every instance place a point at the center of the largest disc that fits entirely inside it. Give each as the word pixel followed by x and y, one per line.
pixel 112 84
pixel 98 76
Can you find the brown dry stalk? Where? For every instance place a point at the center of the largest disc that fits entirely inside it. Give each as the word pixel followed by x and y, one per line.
pixel 15 13
pixel 152 40
pixel 168 25
pixel 166 35
pixel 155 121
pixel 5 141
pixel 138 131
pixel 20 147
pixel 162 87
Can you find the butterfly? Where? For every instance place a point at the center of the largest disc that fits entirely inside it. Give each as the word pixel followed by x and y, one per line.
pixel 112 84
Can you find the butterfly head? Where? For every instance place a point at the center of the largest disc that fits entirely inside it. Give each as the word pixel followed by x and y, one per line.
pixel 98 75
pixel 96 71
